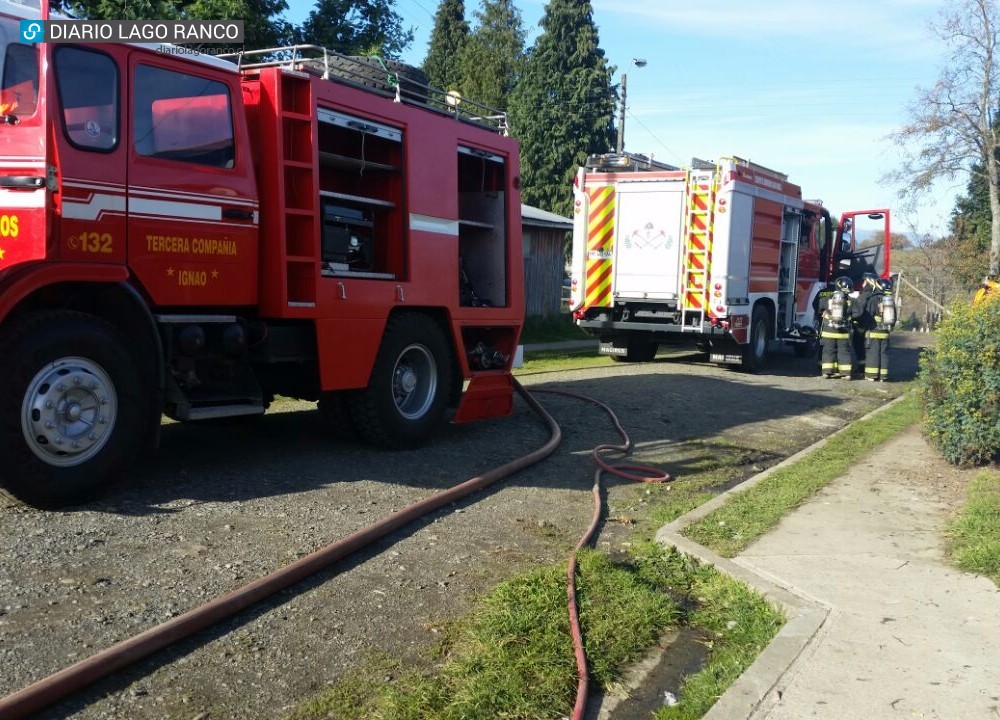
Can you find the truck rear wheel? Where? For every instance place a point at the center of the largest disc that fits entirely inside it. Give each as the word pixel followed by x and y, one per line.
pixel 755 351
pixel 407 393
pixel 72 409
pixel 637 350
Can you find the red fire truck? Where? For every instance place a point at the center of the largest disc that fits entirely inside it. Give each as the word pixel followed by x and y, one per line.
pixel 190 236
pixel 725 255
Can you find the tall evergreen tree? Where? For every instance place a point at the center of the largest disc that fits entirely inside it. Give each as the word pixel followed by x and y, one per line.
pixel 563 107
pixel 971 224
pixel 491 59
pixel 356 27
pixel 450 33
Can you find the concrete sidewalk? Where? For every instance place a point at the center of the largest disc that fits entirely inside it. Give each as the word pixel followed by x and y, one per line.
pixel 879 625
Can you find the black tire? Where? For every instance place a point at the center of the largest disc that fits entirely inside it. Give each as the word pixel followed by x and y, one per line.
pixel 806 349
pixel 637 351
pixel 63 377
pixel 755 351
pixel 407 393
pixel 380 74
pixel 336 418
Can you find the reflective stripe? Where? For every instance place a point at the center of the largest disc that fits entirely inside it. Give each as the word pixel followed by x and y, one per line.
pixel 834 336
pixel 878 335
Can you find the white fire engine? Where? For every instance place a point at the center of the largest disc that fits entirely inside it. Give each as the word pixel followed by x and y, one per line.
pixel 726 255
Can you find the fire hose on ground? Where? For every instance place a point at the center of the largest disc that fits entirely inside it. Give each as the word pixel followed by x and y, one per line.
pixel 50 689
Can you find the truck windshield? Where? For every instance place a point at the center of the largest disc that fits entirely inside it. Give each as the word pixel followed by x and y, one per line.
pixel 18 72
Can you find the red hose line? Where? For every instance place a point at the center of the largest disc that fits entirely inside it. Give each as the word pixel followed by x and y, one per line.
pixel 48 690
pixel 628 472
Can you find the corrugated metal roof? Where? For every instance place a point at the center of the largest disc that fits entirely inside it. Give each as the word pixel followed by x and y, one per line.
pixel 536 217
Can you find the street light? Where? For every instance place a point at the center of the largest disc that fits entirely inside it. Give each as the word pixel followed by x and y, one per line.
pixel 639 63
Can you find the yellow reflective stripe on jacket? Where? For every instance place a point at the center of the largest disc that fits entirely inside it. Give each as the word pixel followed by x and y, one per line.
pixel 875 335
pixel 835 336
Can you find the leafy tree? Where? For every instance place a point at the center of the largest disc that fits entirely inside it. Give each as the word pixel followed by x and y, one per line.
pixel 953 124
pixel 563 107
pixel 120 9
pixel 491 60
pixel 262 24
pixel 450 33
pixel 356 27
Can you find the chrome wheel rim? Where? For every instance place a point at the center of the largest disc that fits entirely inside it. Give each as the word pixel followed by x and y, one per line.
pixel 414 382
pixel 68 411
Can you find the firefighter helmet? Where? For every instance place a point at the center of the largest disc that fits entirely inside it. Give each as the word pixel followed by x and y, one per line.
pixel 885 284
pixel 844 284
pixel 869 279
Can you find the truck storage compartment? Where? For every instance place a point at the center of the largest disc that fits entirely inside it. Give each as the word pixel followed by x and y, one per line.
pixel 482 228
pixel 361 194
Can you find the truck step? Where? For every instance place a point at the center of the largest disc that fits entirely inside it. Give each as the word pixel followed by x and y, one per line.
pixel 220 411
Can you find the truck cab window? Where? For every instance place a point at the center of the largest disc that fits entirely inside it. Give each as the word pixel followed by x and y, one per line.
pixel 182 117
pixel 19 89
pixel 88 94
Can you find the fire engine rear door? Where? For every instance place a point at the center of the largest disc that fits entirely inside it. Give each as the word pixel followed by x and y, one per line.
pixel 648 229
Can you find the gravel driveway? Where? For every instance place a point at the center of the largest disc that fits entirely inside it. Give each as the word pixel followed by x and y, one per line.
pixel 220 507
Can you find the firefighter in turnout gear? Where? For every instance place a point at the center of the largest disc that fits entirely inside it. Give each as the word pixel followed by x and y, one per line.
pixel 863 320
pixel 881 307
pixel 837 309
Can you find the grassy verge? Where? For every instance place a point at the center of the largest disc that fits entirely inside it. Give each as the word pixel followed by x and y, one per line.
pixel 551 329
pixel 975 534
pixel 560 360
pixel 512 657
pixel 750 514
pixel 738 624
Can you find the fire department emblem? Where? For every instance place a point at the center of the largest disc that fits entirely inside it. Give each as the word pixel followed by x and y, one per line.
pixel 649 238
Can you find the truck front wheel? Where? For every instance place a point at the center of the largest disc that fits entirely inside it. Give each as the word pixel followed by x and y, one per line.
pixel 72 409
pixel 407 394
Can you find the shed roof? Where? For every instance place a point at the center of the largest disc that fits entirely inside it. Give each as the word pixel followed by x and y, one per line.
pixel 536 217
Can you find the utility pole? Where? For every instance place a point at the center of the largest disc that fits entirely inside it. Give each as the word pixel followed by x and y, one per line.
pixel 620 146
pixel 621 116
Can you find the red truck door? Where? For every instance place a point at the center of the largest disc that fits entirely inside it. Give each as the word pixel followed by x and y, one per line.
pixel 193 210
pixel 90 153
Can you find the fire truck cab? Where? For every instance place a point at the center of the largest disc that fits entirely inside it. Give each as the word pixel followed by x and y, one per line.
pixel 192 236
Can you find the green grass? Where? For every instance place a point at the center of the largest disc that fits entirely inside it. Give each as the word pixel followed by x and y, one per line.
pixel 738 624
pixel 513 657
pixel 750 514
pixel 551 329
pixel 559 360
pixel 975 534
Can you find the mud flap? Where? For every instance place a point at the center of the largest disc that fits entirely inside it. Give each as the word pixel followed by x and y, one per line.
pixel 487 396
pixel 611 348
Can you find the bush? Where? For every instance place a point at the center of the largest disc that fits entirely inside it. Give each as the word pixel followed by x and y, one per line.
pixel 960 385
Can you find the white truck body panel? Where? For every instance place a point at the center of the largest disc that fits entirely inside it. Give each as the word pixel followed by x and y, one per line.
pixel 731 263
pixel 648 226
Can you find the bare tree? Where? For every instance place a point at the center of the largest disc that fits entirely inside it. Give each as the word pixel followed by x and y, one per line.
pixel 953 128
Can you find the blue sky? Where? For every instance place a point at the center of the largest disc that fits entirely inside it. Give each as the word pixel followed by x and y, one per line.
pixel 807 87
